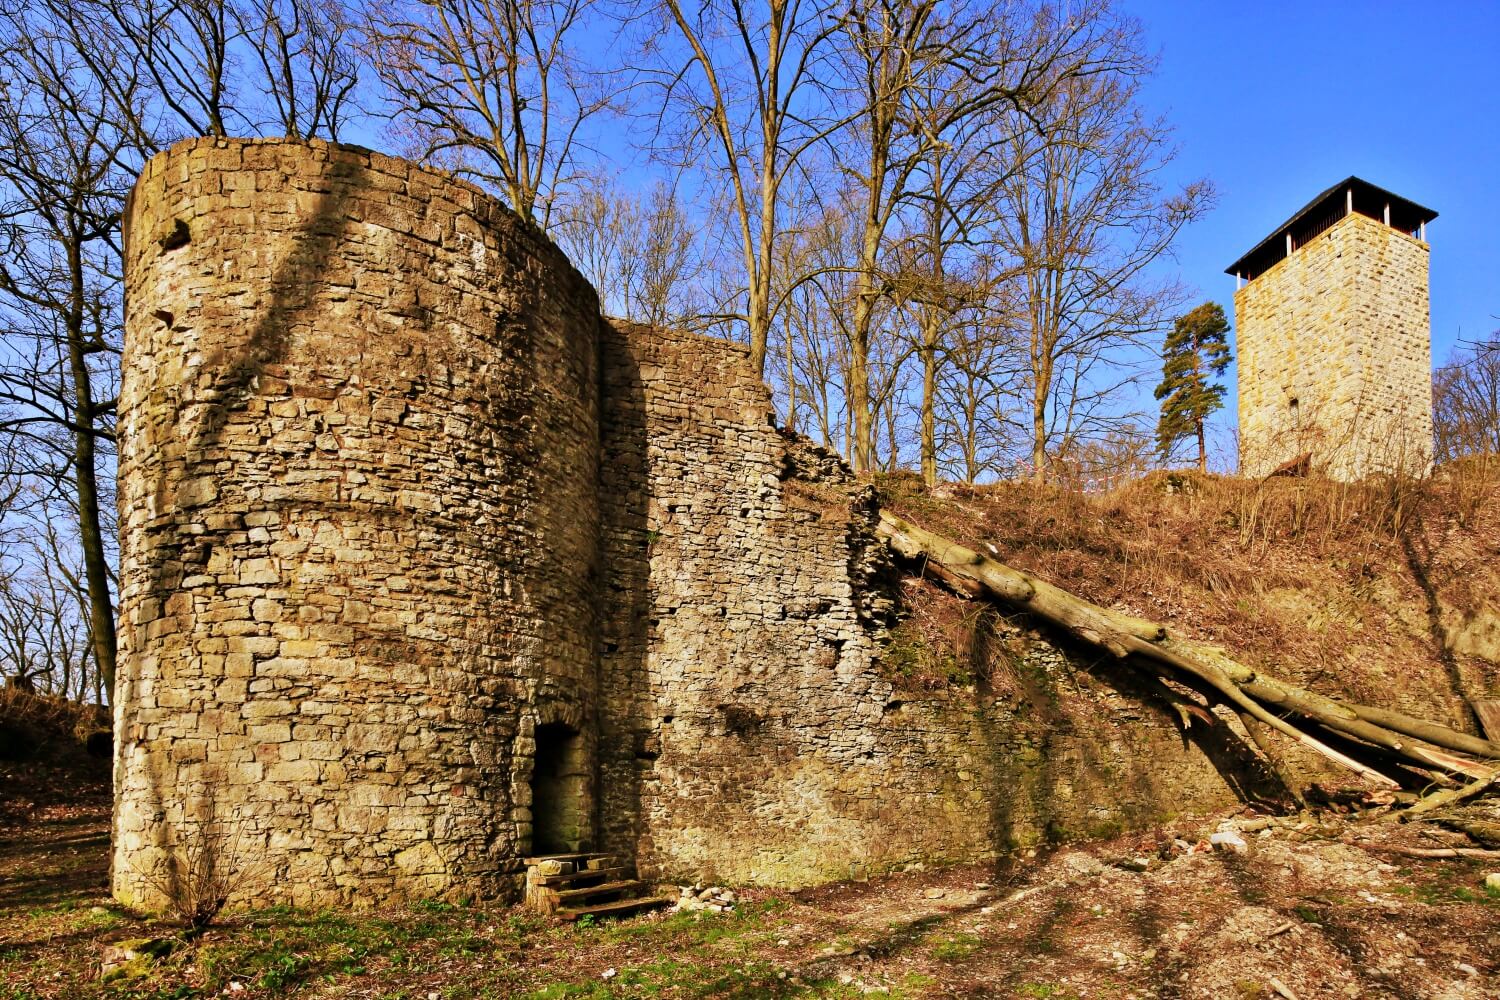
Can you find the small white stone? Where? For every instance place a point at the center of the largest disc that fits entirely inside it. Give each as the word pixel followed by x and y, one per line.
pixel 1228 840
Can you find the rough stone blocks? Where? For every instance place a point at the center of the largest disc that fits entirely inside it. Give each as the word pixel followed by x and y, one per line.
pixel 358 468
pixel 1335 356
pixel 424 565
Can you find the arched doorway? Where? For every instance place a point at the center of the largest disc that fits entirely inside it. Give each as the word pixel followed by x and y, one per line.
pixel 559 821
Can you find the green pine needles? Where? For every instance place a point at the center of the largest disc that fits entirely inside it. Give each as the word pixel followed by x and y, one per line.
pixel 1195 351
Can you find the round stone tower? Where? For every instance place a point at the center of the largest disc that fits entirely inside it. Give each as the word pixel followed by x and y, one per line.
pixel 358 465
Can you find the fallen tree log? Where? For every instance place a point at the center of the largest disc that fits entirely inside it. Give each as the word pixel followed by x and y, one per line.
pixel 1479 854
pixel 1450 797
pixel 1298 714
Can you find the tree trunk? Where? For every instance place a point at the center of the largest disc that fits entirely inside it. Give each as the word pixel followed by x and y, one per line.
pixel 759 322
pixel 929 395
pixel 1040 392
pixel 932 316
pixel 760 272
pixel 860 419
pixel 85 475
pixel 791 382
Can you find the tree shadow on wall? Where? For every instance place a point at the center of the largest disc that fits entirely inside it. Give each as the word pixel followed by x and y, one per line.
pixel 1416 546
pixel 230 376
pixel 235 369
pixel 1051 742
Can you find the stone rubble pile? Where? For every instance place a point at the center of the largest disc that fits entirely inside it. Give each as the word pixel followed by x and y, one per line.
pixel 716 898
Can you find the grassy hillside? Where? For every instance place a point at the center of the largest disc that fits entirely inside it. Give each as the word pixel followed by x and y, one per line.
pixel 1385 591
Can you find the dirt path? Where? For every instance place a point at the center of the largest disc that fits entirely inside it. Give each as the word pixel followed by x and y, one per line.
pixel 1133 917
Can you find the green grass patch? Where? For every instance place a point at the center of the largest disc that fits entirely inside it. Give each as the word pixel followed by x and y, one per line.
pixel 1449 894
pixel 678 978
pixel 955 947
pixel 1307 914
pixel 281 948
pixel 697 931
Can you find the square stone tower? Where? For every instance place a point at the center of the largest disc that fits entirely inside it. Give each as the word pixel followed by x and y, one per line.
pixel 1334 338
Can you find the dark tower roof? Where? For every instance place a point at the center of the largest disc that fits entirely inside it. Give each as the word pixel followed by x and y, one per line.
pixel 1350 194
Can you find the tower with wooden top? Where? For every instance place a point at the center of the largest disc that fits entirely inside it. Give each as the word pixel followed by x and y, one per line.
pixel 1334 338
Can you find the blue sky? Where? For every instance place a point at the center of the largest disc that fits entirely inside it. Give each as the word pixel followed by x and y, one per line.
pixel 1275 101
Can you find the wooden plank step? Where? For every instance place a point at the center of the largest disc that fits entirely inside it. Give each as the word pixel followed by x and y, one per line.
pixel 625 885
pixel 619 908
pixel 564 857
pixel 555 880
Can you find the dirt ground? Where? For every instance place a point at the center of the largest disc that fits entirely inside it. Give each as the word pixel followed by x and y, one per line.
pixel 1310 910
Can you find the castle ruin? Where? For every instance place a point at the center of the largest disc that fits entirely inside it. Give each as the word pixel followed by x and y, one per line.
pixel 425 567
pixel 1334 339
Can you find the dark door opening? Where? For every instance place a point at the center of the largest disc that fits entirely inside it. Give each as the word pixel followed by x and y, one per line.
pixel 558 821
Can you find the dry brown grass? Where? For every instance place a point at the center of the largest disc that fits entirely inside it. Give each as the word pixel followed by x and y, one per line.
pixel 46 718
pixel 1353 587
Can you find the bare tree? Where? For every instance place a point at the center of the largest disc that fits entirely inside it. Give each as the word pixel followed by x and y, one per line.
pixel 741 88
pixel 491 88
pixel 65 166
pixel 890 46
pixel 640 254
pixel 934 82
pixel 972 398
pixel 948 273
pixel 659 272
pixel 178 50
pixel 23 622
pixel 218 67
pixel 305 50
pixel 1083 218
pixel 44 628
pixel 1466 402
pixel 810 368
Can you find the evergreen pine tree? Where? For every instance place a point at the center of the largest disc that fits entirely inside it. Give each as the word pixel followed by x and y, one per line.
pixel 1194 351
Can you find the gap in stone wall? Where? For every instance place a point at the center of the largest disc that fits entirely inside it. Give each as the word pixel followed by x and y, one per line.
pixel 557 790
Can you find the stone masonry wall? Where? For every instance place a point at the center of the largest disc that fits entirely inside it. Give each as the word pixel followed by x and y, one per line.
pixel 358 466
pixel 748 731
pixel 392 498
pixel 1341 326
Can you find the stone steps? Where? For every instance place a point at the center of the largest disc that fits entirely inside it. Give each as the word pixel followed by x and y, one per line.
pixel 578 859
pixel 571 886
pixel 600 893
pixel 553 881
pixel 619 908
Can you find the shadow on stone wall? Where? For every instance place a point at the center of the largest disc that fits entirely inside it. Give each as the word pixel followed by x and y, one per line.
pixel 1416 545
pixel 358 397
pixel 234 372
pixel 293 287
pixel 1079 747
pixel 628 744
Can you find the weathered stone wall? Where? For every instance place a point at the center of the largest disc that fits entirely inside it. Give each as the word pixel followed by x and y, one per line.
pixel 1340 326
pixel 748 730
pixel 358 466
pixel 393 499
